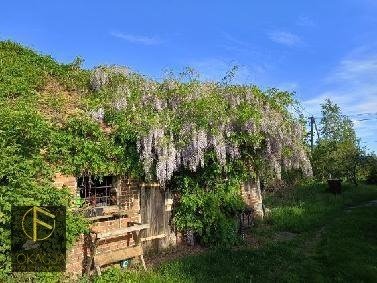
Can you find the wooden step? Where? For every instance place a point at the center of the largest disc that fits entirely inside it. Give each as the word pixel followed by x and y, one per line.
pixel 117 255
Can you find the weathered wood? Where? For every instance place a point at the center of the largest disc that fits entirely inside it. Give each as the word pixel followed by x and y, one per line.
pixel 96 218
pixel 155 208
pixel 110 209
pixel 117 255
pixel 150 185
pixel 154 211
pixel 160 209
pixel 92 243
pixel 122 253
pixel 107 216
pixel 161 236
pixel 121 231
pixel 142 261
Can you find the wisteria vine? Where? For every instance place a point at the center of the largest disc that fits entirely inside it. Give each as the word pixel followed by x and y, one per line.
pixel 177 121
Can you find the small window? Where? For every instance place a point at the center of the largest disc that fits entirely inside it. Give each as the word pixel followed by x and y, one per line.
pixel 97 191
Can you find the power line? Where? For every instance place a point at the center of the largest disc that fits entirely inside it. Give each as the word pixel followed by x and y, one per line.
pixel 350 115
pixel 313 123
pixel 365 113
pixel 362 119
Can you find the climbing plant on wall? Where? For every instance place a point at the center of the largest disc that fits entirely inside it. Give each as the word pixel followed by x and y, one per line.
pixel 177 120
pixel 201 138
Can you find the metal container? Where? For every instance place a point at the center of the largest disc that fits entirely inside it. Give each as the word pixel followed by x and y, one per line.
pixel 335 186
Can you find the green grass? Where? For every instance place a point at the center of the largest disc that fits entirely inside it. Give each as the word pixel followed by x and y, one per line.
pixel 331 245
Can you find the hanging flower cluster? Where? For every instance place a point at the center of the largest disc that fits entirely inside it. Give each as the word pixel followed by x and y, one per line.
pixel 101 75
pixel 177 122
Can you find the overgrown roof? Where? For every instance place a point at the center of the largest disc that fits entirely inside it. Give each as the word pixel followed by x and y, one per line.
pixel 111 120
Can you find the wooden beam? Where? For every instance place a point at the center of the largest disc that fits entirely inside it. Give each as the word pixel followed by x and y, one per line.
pixel 95 218
pixel 150 185
pixel 160 236
pixel 117 255
pixel 121 231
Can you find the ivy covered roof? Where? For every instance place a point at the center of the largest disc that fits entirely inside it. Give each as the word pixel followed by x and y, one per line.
pixel 111 120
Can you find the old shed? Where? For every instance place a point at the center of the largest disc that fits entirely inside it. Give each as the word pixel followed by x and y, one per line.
pixel 127 218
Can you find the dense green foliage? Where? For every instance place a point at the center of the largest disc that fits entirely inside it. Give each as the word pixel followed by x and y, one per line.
pixel 368 170
pixel 331 243
pixel 337 154
pixel 25 136
pixel 209 203
pixel 200 139
pixel 23 72
pixel 205 137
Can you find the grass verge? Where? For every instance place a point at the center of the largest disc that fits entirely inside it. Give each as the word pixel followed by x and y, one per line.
pixel 328 242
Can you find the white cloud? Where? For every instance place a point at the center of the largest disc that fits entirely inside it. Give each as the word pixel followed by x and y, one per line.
pixel 354 81
pixel 356 69
pixel 230 38
pixel 305 21
pixel 344 100
pixel 137 39
pixel 285 38
pixel 369 105
pixel 353 86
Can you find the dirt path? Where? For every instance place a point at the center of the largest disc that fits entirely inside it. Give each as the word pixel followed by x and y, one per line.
pixel 366 204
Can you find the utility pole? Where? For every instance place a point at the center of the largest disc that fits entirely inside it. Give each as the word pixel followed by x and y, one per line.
pixel 316 129
pixel 311 132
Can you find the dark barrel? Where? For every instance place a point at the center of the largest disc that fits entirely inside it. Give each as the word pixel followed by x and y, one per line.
pixel 335 186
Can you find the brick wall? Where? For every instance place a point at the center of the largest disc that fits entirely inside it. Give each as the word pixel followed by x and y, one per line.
pixel 76 257
pixel 64 180
pixel 128 193
pixel 114 243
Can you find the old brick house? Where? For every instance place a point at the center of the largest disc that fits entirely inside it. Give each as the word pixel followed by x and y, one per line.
pixel 126 218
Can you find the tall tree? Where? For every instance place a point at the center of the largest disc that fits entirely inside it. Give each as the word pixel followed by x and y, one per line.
pixel 337 154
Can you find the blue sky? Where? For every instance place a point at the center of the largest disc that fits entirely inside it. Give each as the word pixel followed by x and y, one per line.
pixel 317 48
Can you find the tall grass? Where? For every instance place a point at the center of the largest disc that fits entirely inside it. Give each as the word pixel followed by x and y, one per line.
pixel 311 206
pixel 331 244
